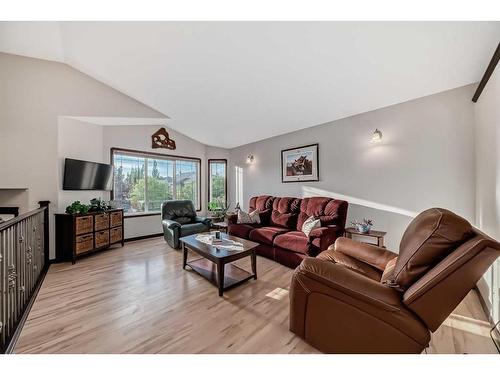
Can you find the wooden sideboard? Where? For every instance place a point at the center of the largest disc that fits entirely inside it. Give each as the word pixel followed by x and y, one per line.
pixel 82 234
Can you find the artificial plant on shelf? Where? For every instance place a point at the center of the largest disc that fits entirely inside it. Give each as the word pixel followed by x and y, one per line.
pixel 77 207
pixel 218 209
pixel 99 205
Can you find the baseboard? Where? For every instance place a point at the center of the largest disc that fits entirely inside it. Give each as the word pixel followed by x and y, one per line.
pixel 143 237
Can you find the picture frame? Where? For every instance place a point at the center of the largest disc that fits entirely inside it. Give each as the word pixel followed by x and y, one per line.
pixel 300 164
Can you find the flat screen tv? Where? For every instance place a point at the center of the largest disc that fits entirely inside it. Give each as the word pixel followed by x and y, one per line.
pixel 87 175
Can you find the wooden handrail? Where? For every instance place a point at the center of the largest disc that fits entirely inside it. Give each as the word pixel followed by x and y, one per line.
pixel 489 71
pixel 19 218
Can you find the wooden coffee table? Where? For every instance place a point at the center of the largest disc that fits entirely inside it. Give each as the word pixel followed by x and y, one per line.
pixel 215 262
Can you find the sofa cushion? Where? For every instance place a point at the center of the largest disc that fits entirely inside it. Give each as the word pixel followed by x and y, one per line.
pixel 330 211
pixel 188 229
pixel 284 213
pixel 261 203
pixel 265 216
pixel 429 238
pixel 295 241
pixel 241 230
pixel 265 235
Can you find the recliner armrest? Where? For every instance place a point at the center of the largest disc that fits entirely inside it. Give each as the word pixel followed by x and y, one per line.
pixel 170 224
pixel 204 220
pixel 373 255
pixel 335 277
pixel 322 231
pixel 326 236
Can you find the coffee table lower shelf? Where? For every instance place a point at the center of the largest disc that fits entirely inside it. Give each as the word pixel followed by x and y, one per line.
pixel 233 275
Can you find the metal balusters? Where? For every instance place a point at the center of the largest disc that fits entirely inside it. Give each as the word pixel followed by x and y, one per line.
pixel 23 255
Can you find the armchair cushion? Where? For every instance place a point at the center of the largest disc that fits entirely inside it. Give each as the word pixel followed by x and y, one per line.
pixel 429 238
pixel 352 263
pixel 174 209
pixel 375 256
pixel 189 229
pixel 183 219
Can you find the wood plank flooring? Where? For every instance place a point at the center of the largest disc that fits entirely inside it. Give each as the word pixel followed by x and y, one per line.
pixel 137 299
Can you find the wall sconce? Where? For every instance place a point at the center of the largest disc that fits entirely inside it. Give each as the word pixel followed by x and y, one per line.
pixel 377 136
pixel 250 159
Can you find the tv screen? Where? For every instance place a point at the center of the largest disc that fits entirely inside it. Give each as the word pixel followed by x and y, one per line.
pixel 87 175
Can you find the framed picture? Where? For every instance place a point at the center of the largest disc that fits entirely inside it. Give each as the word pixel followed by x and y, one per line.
pixel 300 164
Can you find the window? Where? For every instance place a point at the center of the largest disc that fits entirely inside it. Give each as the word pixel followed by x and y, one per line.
pixel 143 181
pixel 217 185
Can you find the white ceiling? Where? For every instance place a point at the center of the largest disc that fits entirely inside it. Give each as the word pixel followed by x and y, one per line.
pixel 231 83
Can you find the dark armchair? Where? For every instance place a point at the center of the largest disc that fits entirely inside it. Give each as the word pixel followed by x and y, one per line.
pixel 179 220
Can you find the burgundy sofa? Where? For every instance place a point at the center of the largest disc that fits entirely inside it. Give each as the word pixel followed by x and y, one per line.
pixel 280 236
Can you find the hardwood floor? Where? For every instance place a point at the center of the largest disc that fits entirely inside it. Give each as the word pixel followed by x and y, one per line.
pixel 137 299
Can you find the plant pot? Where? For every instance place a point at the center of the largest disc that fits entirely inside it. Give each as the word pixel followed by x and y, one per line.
pixel 363 228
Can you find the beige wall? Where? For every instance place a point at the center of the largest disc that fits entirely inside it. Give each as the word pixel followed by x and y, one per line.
pixel 70 135
pixel 487 113
pixel 33 95
pixel 426 159
pixel 139 138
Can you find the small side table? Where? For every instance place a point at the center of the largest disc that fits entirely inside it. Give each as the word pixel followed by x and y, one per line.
pixel 349 232
pixel 221 225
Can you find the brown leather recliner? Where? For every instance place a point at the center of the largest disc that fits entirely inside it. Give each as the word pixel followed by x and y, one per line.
pixel 360 298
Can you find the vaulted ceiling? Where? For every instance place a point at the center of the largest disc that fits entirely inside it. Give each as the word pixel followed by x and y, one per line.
pixel 231 83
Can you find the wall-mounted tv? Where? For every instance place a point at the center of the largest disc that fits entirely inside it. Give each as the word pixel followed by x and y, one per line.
pixel 87 175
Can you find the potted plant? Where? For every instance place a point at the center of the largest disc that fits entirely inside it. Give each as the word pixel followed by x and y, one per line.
pixel 77 208
pixel 99 205
pixel 218 209
pixel 363 226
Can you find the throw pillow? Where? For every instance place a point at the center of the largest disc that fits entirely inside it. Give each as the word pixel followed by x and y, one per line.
pixel 310 224
pixel 248 218
pixel 255 216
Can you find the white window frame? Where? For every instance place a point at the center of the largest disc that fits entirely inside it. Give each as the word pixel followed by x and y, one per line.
pixel 114 151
